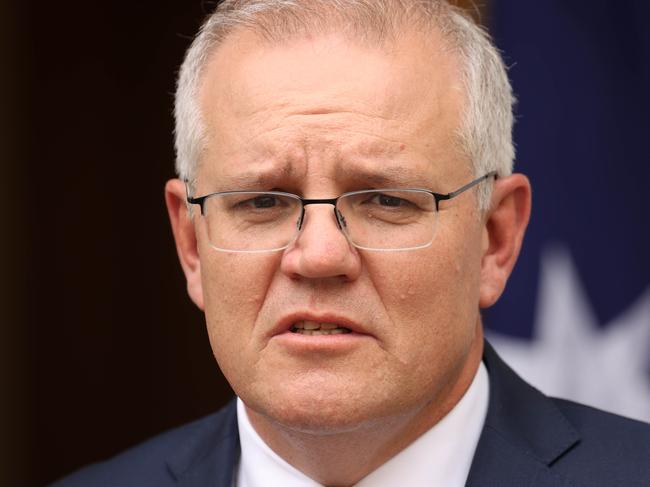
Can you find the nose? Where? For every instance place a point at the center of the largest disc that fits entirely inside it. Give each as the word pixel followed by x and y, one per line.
pixel 321 250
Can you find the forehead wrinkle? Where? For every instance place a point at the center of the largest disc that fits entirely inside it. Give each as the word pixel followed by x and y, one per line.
pixel 260 177
pixel 373 161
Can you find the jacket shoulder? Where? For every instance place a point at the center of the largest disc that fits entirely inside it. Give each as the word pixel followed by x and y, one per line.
pixel 147 464
pixel 612 448
pixel 532 439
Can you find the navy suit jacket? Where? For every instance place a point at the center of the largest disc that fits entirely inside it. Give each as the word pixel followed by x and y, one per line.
pixel 528 440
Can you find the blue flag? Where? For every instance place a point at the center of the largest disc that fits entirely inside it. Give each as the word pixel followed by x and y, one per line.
pixel 575 318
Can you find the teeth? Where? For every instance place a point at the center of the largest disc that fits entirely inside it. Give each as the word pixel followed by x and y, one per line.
pixel 310 325
pixel 328 326
pixel 307 327
pixel 336 331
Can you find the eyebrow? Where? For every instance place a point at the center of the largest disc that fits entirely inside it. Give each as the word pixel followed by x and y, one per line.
pixel 259 178
pixel 384 177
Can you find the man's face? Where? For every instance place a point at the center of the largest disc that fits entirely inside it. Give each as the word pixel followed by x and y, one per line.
pixel 317 118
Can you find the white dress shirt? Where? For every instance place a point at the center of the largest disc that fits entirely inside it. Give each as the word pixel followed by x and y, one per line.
pixel 441 457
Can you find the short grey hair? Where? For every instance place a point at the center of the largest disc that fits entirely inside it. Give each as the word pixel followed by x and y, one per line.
pixel 485 134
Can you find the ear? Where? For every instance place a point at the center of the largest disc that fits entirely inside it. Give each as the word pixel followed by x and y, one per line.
pixel 503 234
pixel 185 237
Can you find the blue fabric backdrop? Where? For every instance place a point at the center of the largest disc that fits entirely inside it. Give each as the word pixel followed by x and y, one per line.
pixel 581 72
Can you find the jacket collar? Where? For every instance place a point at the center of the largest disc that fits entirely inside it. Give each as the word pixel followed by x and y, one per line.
pixel 524 432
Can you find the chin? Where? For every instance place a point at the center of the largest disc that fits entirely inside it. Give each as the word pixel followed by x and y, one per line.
pixel 317 408
pixel 335 420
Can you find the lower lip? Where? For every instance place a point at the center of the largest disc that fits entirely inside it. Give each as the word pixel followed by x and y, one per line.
pixel 339 342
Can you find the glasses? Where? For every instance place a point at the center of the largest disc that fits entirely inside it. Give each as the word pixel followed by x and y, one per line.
pixel 373 219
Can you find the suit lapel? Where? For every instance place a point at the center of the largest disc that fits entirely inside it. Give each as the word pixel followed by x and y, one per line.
pixel 524 433
pixel 209 457
pixel 499 463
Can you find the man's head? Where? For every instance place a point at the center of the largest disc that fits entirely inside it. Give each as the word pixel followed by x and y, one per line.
pixel 484 133
pixel 319 98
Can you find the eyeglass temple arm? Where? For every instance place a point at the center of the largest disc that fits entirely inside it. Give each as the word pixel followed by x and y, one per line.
pixel 191 200
pixel 441 197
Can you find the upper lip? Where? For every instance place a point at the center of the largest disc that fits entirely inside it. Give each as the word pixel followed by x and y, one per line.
pixel 286 322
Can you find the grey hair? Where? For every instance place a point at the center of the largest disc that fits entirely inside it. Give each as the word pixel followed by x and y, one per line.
pixel 485 134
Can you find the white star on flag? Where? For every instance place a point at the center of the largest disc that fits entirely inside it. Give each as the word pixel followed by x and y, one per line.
pixel 571 357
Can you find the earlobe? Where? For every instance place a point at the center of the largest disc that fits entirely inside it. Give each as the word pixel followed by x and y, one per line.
pixel 505 226
pixel 185 238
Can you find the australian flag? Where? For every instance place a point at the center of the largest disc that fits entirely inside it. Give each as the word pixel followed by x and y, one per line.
pixel 575 318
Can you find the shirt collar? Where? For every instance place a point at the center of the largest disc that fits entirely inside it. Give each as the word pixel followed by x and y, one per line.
pixel 442 456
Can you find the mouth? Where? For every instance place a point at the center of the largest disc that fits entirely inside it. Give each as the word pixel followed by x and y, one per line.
pixel 309 334
pixel 309 327
pixel 324 324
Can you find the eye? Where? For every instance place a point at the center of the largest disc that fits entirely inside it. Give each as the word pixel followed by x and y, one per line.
pixel 260 202
pixel 388 204
pixel 390 201
pixel 265 201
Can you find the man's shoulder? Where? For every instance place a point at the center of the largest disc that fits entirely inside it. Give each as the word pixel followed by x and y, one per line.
pixel 607 436
pixel 161 460
pixel 546 441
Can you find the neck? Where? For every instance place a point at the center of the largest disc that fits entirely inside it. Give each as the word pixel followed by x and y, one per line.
pixel 344 458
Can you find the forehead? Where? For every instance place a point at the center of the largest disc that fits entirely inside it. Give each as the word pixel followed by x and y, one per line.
pixel 328 105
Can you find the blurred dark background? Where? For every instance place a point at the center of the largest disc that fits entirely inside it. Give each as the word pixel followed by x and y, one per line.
pixel 100 347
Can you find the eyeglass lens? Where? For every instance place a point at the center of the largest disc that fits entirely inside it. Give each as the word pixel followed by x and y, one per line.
pixel 374 220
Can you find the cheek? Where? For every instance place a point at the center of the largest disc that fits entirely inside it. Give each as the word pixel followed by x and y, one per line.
pixel 431 298
pixel 234 290
pixel 416 288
